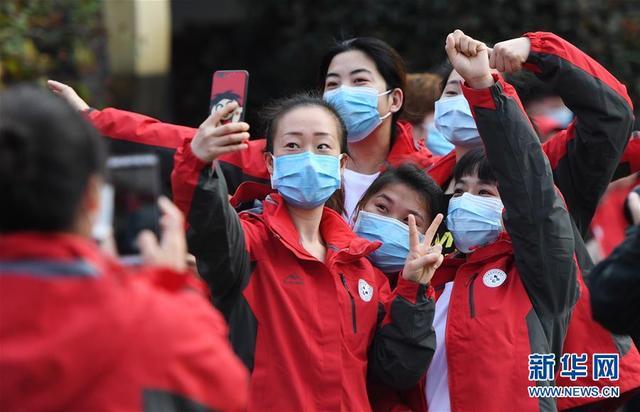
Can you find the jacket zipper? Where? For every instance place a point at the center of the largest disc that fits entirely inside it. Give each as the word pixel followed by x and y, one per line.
pixel 472 304
pixel 353 303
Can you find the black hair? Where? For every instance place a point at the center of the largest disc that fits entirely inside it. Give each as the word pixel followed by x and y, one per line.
pixel 414 177
pixel 444 71
pixel 272 114
pixel 47 154
pixel 229 95
pixel 475 163
pixel 387 60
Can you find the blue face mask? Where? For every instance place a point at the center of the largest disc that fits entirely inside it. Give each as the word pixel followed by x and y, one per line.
pixel 358 108
pixel 394 235
pixel 306 180
pixel 454 120
pixel 474 220
pixel 436 142
pixel 563 116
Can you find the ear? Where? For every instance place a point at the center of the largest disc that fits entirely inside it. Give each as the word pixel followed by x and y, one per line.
pixel 343 163
pixel 397 98
pixel 268 160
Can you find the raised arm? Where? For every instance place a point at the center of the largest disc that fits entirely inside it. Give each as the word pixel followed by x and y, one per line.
pixel 535 216
pixel 585 155
pixel 405 341
pixel 214 235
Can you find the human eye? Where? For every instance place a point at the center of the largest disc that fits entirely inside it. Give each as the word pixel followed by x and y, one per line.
pixel 458 192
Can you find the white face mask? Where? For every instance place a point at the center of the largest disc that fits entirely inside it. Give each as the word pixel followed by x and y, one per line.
pixel 474 220
pixel 454 120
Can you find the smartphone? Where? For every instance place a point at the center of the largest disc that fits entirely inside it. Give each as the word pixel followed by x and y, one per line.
pixel 228 86
pixel 133 184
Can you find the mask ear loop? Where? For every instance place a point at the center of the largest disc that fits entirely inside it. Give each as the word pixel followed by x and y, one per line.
pixel 388 114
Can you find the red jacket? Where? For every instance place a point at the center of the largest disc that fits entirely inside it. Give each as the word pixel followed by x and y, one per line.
pixel 309 331
pixel 79 332
pixel 146 133
pixel 609 223
pixel 583 158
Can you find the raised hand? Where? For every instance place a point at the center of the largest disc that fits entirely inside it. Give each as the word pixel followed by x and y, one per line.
pixel 214 139
pixel 68 94
pixel 470 58
pixel 423 259
pixel 509 55
pixel 172 249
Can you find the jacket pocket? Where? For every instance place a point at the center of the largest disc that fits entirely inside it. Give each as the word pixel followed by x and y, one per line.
pixel 353 302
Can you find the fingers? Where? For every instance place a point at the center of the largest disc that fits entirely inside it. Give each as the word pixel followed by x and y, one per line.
pixel 433 229
pixel 232 139
pixel 414 239
pixel 149 247
pixel 634 207
pixel 172 217
pixel 214 119
pixel 450 47
pixel 55 86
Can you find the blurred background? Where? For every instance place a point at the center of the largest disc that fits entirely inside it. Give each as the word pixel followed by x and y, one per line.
pixel 157 56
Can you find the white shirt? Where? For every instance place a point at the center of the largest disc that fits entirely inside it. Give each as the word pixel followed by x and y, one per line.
pixel 355 184
pixel 437 388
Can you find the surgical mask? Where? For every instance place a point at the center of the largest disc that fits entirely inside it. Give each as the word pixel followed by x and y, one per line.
pixel 474 220
pixel 454 120
pixel 358 108
pixel 436 142
pixel 562 116
pixel 394 236
pixel 306 180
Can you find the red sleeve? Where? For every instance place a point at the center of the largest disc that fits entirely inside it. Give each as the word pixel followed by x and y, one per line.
pixel 136 128
pixel 584 157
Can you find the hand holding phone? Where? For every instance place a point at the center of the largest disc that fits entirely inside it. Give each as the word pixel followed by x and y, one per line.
pixel 214 138
pixel 229 86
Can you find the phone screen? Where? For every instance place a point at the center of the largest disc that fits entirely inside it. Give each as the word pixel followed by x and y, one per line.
pixel 228 86
pixel 135 183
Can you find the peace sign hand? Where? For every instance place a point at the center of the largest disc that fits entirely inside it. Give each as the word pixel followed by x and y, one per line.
pixel 423 259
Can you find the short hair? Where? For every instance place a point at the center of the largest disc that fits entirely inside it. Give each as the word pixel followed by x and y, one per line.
pixel 47 154
pixel 414 177
pixel 423 89
pixel 475 163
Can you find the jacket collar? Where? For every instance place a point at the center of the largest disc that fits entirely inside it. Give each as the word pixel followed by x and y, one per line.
pixel 51 247
pixel 442 170
pixel 337 235
pixel 404 145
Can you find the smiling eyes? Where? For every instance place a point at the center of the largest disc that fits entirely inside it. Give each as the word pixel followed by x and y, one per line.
pixel 359 81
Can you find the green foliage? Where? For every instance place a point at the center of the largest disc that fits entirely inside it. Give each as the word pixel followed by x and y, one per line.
pixel 60 39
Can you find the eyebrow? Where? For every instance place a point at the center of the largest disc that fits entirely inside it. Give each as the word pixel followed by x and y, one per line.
pixel 385 197
pixel 454 82
pixel 356 71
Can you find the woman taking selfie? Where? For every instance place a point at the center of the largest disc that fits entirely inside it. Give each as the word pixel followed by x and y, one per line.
pixel 308 313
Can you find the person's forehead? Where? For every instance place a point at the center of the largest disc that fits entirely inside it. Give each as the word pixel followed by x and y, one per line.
pixel 308 119
pixel 404 196
pixel 345 63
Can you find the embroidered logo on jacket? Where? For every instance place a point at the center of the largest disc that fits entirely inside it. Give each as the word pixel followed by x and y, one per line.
pixel 365 290
pixel 294 279
pixel 494 278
